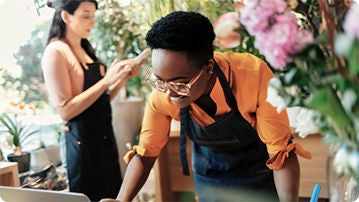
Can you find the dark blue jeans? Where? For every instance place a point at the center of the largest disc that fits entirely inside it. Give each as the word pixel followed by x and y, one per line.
pixel 236 189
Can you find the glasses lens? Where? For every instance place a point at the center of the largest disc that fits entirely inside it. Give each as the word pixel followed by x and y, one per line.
pixel 157 84
pixel 160 85
pixel 179 88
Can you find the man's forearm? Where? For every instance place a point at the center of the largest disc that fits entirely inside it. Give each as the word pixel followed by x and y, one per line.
pixel 287 179
pixel 135 177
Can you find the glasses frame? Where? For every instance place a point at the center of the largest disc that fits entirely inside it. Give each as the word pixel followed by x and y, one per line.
pixel 168 84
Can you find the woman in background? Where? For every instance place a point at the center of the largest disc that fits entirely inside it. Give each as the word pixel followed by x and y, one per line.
pixel 80 88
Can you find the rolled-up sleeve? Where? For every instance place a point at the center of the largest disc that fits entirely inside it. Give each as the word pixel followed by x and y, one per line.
pixel 273 127
pixel 276 134
pixel 155 127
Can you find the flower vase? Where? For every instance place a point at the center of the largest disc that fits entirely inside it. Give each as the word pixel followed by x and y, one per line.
pixel 341 187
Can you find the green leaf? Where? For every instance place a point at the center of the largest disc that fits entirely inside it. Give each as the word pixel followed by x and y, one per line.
pixel 14 128
pixel 353 58
pixel 326 102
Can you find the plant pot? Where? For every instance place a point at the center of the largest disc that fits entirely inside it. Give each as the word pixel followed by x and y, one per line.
pixel 23 161
pixel 41 158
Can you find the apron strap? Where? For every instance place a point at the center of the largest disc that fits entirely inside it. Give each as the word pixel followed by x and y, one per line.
pixel 231 101
pixel 183 135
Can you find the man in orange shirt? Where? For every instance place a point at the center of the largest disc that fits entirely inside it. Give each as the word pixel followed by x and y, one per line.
pixel 238 139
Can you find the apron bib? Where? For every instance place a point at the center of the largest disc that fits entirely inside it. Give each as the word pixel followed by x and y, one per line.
pixel 91 150
pixel 227 155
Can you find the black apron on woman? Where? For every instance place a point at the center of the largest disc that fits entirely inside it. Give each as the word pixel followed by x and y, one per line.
pixel 91 150
pixel 228 157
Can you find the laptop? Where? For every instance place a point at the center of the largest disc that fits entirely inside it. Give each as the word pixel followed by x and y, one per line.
pixel 17 194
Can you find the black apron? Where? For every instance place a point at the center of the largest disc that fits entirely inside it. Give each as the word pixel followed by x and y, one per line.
pixel 91 150
pixel 227 155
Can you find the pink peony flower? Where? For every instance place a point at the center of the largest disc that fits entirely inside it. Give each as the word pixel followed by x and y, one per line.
pixel 256 14
pixel 225 27
pixel 303 38
pixel 277 43
pixel 276 31
pixel 254 17
pixel 285 29
pixel 276 6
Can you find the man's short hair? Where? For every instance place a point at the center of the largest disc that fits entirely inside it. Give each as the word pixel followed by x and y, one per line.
pixel 190 32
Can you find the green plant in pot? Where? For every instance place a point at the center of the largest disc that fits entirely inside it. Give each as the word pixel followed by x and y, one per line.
pixel 19 133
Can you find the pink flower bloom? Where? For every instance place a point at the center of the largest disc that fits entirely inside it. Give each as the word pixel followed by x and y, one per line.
pixel 293 39
pixel 277 34
pixel 224 28
pixel 273 52
pixel 256 14
pixel 277 6
pixel 254 17
pixel 285 28
pixel 351 25
pixel 303 38
pixel 277 43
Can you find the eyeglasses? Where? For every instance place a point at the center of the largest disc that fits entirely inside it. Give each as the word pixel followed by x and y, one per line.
pixel 177 87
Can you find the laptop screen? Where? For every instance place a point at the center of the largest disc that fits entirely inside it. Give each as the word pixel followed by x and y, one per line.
pixel 35 195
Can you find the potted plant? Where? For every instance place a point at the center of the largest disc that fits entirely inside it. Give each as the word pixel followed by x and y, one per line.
pixel 18 134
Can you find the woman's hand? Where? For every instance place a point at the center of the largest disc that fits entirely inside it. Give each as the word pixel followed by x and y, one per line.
pixel 117 72
pixel 138 61
pixel 126 69
pixel 109 200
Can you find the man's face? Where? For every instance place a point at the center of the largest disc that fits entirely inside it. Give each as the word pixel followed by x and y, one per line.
pixel 172 68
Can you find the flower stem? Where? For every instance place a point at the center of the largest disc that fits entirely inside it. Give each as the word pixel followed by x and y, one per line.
pixel 328 20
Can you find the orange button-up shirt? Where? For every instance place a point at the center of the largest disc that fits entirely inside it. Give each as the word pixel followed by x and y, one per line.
pixel 248 78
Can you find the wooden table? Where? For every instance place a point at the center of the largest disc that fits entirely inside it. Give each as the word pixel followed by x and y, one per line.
pixel 9 174
pixel 171 184
pixel 314 170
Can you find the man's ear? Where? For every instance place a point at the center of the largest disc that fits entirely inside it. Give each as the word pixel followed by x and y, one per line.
pixel 65 16
pixel 210 66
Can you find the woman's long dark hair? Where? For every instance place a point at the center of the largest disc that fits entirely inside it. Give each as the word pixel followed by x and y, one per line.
pixel 58 26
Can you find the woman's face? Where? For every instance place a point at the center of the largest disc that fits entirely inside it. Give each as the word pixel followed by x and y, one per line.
pixel 174 66
pixel 83 19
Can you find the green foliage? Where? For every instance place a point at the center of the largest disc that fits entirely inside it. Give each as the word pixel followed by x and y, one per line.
pixel 123 37
pixel 15 128
pixel 39 4
pixel 120 32
pixel 121 29
pixel 28 85
pixel 324 80
pixel 29 58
